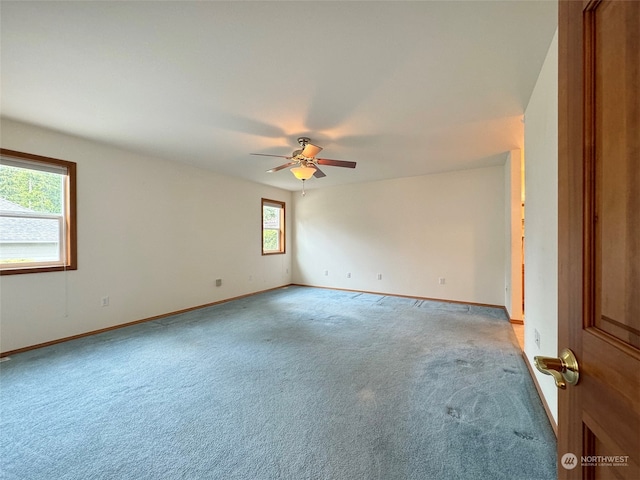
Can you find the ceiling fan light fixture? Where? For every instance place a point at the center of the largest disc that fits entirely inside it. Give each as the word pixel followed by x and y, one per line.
pixel 303 172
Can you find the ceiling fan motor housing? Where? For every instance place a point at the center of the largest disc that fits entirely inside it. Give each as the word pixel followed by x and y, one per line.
pixel 302 141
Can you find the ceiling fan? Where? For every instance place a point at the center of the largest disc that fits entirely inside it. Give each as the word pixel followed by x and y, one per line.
pixel 304 162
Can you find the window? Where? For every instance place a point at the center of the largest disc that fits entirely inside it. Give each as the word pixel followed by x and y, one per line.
pixel 272 227
pixel 37 213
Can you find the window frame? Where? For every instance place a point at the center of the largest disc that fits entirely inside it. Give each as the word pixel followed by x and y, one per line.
pixel 281 231
pixel 69 235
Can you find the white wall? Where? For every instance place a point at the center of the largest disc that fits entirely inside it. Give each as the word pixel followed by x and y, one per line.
pixel 541 219
pixel 411 230
pixel 153 235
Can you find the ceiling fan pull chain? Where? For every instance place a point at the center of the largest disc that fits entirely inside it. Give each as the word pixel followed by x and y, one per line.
pixel 303 192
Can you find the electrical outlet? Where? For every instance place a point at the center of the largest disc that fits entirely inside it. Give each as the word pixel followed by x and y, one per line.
pixel 441 281
pixel 348 274
pixel 218 282
pixel 536 336
pixel 326 273
pixel 379 276
pixel 105 301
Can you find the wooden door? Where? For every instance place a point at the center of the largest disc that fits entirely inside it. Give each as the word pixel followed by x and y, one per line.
pixel 599 237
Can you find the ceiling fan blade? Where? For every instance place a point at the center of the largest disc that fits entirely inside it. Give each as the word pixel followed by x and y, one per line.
pixel 335 163
pixel 281 167
pixel 310 150
pixel 268 155
pixel 318 173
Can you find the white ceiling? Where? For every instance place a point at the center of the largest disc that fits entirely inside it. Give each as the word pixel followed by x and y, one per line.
pixel 402 88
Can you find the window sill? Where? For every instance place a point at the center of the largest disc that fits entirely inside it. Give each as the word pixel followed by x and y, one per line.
pixel 20 271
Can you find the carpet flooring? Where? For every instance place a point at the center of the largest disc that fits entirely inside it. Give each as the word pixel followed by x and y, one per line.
pixel 294 383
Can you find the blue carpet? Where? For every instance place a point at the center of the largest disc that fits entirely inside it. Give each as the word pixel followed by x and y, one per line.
pixel 296 383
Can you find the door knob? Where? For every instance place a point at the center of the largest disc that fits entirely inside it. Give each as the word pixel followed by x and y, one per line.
pixel 563 370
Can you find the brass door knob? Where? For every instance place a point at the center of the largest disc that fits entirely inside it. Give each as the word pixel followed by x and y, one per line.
pixel 563 370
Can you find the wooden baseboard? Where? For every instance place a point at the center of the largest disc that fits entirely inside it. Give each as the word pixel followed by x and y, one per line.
pixel 553 423
pixel 129 324
pixel 515 321
pixel 461 302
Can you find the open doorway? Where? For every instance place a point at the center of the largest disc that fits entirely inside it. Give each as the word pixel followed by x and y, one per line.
pixel 515 211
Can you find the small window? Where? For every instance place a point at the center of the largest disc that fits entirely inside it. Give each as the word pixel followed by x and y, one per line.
pixel 37 213
pixel 272 227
